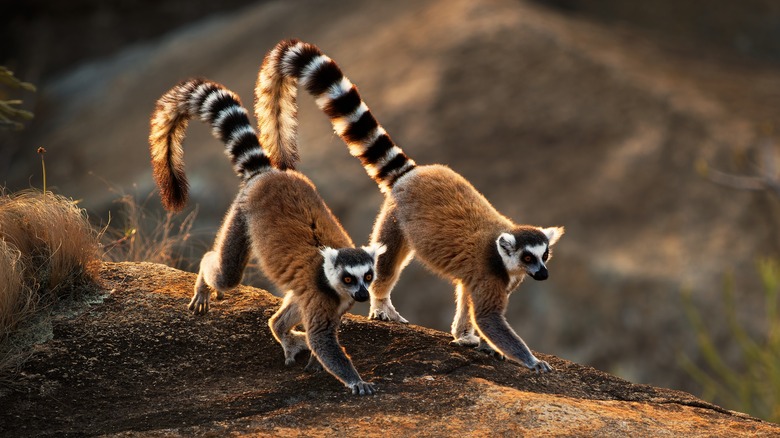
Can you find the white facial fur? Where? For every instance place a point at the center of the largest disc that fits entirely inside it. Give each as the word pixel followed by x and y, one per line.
pixel 335 274
pixel 506 243
pixel 358 271
pixel 331 273
pixel 538 251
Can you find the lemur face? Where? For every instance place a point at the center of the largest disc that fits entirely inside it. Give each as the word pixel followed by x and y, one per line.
pixel 528 251
pixel 350 271
pixel 533 259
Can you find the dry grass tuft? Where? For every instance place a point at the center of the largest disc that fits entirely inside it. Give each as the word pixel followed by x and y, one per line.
pixel 15 298
pixel 145 236
pixel 47 247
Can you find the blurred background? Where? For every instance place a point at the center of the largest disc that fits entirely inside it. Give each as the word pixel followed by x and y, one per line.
pixel 649 130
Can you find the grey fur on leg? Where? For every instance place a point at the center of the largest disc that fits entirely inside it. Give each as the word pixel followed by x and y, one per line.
pixel 314 365
pixel 494 328
pixel 325 346
pixel 463 329
pixel 222 268
pixel 490 351
pixel 487 315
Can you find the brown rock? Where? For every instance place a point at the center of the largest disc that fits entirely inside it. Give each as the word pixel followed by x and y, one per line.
pixel 139 364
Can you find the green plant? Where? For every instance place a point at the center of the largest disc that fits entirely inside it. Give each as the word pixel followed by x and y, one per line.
pixel 754 388
pixel 9 114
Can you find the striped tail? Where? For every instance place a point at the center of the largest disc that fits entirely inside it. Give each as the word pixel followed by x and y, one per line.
pixel 222 110
pixel 276 110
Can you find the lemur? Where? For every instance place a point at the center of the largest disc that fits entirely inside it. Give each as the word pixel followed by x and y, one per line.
pixel 279 217
pixel 429 211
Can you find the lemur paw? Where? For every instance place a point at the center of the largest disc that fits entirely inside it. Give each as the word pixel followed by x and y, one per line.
pixel 289 357
pixel 383 310
pixel 363 388
pixel 314 366
pixel 293 344
pixel 486 348
pixel 466 340
pixel 540 367
pixel 199 305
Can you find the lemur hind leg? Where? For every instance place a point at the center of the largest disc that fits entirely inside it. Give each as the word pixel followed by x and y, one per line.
pixel 223 267
pixel 389 265
pixel 282 325
pixel 462 329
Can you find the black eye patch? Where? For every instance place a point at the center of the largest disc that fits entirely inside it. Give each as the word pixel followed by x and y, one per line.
pixel 527 258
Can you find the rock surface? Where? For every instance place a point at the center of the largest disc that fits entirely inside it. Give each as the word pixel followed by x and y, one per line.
pixel 138 364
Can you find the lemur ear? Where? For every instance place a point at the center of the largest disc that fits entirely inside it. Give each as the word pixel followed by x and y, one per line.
pixel 375 250
pixel 553 234
pixel 507 243
pixel 330 255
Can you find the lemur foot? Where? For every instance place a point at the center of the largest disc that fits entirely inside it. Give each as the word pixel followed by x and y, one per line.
pixel 466 340
pixel 540 367
pixel 289 355
pixel 490 351
pixel 199 305
pixel 293 344
pixel 383 310
pixel 314 366
pixel 363 388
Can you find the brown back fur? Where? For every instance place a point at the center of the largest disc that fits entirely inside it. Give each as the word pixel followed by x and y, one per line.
pixel 448 223
pixel 289 222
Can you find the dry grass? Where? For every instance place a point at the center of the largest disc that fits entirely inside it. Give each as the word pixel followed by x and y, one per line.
pixel 47 247
pixel 144 236
pixel 14 296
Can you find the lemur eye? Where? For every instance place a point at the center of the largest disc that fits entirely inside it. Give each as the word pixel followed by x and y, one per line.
pixel 528 258
pixel 347 279
pixel 546 255
pixel 368 277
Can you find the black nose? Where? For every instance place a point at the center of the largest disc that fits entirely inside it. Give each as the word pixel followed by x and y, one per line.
pixel 361 295
pixel 541 274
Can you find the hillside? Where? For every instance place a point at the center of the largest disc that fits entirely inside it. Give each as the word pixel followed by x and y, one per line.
pixel 558 119
pixel 138 364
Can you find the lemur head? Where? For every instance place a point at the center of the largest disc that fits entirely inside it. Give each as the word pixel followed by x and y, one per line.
pixel 527 249
pixel 350 271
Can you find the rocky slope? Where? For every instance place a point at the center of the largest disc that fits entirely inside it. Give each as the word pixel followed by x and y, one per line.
pixel 138 364
pixel 557 119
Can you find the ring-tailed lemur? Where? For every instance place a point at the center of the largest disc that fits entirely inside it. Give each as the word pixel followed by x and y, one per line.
pixel 279 217
pixel 429 211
